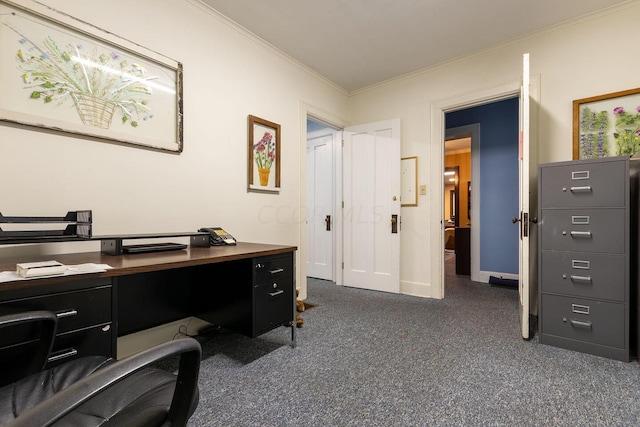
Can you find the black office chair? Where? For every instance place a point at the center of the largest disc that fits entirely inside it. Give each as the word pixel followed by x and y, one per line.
pixel 96 390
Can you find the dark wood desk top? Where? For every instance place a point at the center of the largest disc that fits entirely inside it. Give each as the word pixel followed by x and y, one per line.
pixel 142 262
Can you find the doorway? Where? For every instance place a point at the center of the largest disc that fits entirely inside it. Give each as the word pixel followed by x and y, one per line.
pixel 486 241
pixel 322 141
pixel 367 251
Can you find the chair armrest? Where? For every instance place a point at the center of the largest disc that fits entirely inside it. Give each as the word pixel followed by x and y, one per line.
pixel 48 322
pixel 62 403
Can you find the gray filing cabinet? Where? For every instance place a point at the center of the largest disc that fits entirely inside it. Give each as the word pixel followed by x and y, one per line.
pixel 588 240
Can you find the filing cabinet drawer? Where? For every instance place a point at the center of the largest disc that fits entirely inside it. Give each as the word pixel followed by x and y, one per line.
pixel 583 274
pixel 584 185
pixel 273 306
pixel 75 309
pixel 93 341
pixel 273 269
pixel 591 321
pixel 583 230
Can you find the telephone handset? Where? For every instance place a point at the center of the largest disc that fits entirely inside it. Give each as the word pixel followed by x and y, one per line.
pixel 218 236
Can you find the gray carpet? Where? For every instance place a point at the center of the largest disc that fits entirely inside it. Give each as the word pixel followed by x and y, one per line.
pixel 367 358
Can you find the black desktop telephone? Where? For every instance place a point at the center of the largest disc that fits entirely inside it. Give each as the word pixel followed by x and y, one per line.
pixel 218 236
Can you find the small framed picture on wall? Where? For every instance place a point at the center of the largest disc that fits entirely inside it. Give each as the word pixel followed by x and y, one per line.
pixel 264 155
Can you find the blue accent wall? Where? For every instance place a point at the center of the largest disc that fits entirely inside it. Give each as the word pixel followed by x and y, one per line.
pixel 498 150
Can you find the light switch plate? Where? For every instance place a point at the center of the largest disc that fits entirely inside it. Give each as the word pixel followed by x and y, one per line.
pixel 423 189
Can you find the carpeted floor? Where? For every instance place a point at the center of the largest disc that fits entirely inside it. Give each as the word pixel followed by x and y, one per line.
pixel 368 358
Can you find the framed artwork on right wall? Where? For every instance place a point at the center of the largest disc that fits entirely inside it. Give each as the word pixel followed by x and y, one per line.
pixel 607 125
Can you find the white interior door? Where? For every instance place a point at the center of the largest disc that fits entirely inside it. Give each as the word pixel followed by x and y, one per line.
pixel 371 211
pixel 524 205
pixel 320 206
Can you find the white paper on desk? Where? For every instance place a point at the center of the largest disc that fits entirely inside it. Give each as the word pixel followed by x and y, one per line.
pixel 86 268
pixel 11 276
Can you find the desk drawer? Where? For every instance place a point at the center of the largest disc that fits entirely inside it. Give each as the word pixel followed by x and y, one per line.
pixel 584 185
pixel 75 309
pixel 583 274
pixel 583 230
pixel 273 306
pixel 273 269
pixel 94 341
pixel 591 321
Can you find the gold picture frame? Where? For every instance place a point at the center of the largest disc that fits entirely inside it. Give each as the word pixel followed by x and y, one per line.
pixel 264 155
pixel 607 125
pixel 409 183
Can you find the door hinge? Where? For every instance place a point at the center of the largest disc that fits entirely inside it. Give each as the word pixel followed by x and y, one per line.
pixel 343 265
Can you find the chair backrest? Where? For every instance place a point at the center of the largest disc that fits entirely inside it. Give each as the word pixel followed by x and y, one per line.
pixel 26 340
pixel 105 386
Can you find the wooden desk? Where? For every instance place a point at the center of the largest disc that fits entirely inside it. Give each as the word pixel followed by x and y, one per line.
pixel 248 288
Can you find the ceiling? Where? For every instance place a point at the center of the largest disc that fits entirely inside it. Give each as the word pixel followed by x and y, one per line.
pixel 358 43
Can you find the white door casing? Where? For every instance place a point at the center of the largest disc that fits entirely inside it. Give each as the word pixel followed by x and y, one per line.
pixel 371 211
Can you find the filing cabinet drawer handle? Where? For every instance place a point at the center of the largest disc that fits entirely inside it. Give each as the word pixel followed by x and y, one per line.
pixel 276 293
pixel 580 324
pixel 581 265
pixel 63 354
pixel 580 234
pixel 580 309
pixel 575 175
pixel 580 219
pixel 580 278
pixel 276 271
pixel 67 313
pixel 582 189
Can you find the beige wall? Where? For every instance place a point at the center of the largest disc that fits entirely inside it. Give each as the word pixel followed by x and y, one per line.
pixel 589 57
pixel 227 76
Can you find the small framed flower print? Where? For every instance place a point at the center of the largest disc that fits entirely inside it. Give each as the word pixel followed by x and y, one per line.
pixel 607 125
pixel 264 155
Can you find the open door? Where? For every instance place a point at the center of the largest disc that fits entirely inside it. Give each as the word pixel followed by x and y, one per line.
pixel 371 206
pixel 320 202
pixel 525 218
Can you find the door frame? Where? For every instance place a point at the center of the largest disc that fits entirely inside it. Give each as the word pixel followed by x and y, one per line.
pixel 317 114
pixel 435 176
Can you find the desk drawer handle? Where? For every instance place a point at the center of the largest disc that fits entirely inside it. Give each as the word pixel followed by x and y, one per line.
pixel 67 313
pixel 276 271
pixel 580 324
pixel 585 188
pixel 276 293
pixel 63 354
pixel 581 278
pixel 580 234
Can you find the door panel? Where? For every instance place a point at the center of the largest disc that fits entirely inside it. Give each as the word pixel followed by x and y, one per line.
pixel 320 207
pixel 528 208
pixel 371 177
